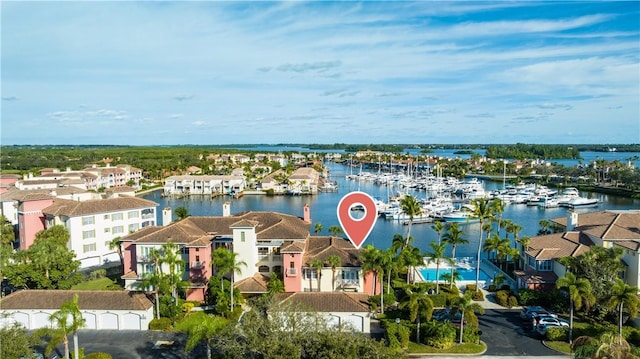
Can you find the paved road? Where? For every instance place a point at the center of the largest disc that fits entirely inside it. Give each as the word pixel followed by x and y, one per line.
pixel 501 329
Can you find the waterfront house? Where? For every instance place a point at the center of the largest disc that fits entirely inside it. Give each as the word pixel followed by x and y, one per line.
pixel 268 242
pixel 582 231
pixel 204 185
pixel 101 309
pixel 303 180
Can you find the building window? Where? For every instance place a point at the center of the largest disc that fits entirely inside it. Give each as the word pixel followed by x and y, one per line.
pixel 106 217
pixel 117 230
pixel 89 234
pixel 310 273
pixel 107 230
pixel 133 214
pixel 242 236
pixel 88 220
pixel 350 274
pixel 117 217
pixel 133 227
pixel 263 269
pixel 544 266
pixel 89 248
pixel 263 251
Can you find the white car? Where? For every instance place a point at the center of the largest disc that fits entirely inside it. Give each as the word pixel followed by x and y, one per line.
pixel 552 321
pixel 542 328
pixel 527 311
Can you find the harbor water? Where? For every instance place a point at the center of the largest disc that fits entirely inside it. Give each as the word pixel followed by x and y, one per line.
pixel 324 207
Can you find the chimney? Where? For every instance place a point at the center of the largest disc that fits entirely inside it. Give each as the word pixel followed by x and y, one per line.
pixel 572 220
pixel 53 193
pixel 167 216
pixel 307 213
pixel 226 209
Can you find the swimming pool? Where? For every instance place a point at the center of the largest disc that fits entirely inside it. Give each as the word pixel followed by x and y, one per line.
pixel 467 274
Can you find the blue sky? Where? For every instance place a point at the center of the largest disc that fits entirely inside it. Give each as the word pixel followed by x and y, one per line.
pixel 163 73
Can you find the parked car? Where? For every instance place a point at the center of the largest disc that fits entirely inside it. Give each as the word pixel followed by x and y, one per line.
pixel 552 321
pixel 540 313
pixel 525 314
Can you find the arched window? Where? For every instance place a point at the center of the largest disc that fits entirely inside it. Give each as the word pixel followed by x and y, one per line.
pixel 277 270
pixel 263 269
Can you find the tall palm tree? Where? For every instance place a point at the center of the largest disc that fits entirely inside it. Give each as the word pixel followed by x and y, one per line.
pixel 621 294
pixel 371 263
pixel 226 262
pixel 67 320
pixel 467 308
pixel 418 304
pixel 483 210
pixel 451 278
pixel 317 266
pixel 411 207
pixel 579 290
pixel 334 262
pixel 389 264
pixel 436 256
pixel 181 213
pixel 335 230
pixel 438 226
pixel 154 281
pixel 317 228
pixel 116 244
pixel 172 257
pixel 454 237
pixel 201 327
pixel 491 245
pixel 411 257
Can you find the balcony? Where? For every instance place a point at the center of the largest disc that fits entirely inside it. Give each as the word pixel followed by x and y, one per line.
pixel 197 265
pixel 292 272
pixel 143 259
pixel 348 283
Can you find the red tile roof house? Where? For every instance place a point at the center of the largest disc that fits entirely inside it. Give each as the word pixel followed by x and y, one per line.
pixel 602 228
pixel 267 242
pixel 107 309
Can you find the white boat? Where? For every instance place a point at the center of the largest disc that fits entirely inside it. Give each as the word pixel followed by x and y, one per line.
pixel 581 202
pixel 548 202
pixel 458 216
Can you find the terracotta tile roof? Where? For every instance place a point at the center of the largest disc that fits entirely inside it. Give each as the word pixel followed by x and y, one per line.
pixel 531 276
pixel 321 247
pixel 70 208
pixel 256 284
pixel 325 302
pixel 293 247
pixel 87 299
pixel 609 225
pixel 558 245
pixel 197 230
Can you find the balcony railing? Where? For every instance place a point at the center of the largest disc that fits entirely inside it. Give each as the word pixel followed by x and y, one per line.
pixel 349 282
pixel 197 264
pixel 292 272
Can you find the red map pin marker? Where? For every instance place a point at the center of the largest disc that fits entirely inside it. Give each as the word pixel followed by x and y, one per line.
pixel 357 229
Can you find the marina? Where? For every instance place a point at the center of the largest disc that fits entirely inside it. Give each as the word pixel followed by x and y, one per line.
pixel 323 210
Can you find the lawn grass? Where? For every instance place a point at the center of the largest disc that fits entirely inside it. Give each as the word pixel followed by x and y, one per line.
pixel 97 284
pixel 560 346
pixel 466 348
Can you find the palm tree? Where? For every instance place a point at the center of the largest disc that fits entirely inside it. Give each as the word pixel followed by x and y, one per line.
pixel 335 230
pixel 117 245
pixel 438 227
pixel 182 212
pixel 334 262
pixel 173 259
pixel 451 278
pixel 621 294
pixel 435 256
pixel 317 228
pixel 454 237
pixel 418 304
pixel 411 257
pixel 579 293
pixel 467 308
pixel 371 263
pixel 491 245
pixel 411 207
pixel 483 210
pixel 226 262
pixel 152 280
pixel 67 320
pixel 317 265
pixel 201 327
pixel 275 285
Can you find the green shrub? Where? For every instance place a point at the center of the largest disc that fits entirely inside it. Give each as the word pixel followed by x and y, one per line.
pixel 98 273
pixel 391 335
pixel 439 300
pixel 160 324
pixel 513 301
pixel 451 290
pixel 471 287
pixel 631 335
pixel 492 288
pixel 502 298
pixel 439 335
pixel 557 333
pixel 98 355
pixel 477 295
pixel 471 334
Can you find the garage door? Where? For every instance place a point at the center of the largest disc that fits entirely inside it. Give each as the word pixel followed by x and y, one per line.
pixel 90 319
pixel 22 318
pixel 131 321
pixel 108 321
pixel 355 321
pixel 333 320
pixel 40 320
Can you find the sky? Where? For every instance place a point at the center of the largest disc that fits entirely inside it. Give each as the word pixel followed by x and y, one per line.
pixel 397 72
